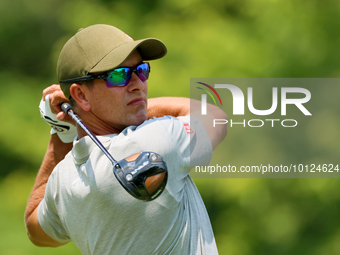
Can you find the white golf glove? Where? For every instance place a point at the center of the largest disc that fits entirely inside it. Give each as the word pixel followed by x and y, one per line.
pixel 66 131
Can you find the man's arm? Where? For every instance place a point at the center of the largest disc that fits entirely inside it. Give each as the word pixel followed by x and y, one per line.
pixel 180 106
pixel 56 151
pixel 172 106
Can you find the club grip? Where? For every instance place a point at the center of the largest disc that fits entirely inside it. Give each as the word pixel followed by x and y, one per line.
pixel 65 107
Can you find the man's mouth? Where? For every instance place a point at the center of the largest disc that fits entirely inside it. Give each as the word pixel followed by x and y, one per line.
pixel 137 101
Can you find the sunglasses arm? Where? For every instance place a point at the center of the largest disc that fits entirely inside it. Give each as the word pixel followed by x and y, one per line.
pixel 85 78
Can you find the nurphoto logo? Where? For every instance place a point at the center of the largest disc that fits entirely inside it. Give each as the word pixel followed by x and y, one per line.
pixel 277 127
pixel 238 107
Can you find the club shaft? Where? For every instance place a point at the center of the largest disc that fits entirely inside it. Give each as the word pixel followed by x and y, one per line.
pixel 68 110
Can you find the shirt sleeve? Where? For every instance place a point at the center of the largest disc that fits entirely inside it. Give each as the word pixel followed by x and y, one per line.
pixel 48 216
pixel 199 144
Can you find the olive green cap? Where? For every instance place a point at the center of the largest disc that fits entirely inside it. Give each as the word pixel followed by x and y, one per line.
pixel 99 48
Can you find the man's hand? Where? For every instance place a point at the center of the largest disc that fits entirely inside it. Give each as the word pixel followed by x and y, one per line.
pixel 50 111
pixel 56 97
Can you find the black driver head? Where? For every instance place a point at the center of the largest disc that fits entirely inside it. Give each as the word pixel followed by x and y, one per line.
pixel 144 175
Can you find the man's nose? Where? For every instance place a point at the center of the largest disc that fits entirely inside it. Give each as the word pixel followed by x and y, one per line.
pixel 135 83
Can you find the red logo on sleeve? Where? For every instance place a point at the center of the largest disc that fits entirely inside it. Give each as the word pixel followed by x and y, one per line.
pixel 188 129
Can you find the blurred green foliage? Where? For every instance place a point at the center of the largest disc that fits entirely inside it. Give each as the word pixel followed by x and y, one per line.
pixel 235 38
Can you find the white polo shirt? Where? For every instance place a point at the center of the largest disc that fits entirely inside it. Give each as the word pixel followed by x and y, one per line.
pixel 86 204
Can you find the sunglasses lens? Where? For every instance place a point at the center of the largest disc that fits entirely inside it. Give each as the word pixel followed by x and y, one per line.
pixel 118 77
pixel 122 76
pixel 143 71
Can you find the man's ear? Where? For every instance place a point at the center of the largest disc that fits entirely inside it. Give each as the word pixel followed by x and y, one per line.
pixel 78 93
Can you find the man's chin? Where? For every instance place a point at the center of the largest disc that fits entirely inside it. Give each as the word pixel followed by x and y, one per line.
pixel 138 119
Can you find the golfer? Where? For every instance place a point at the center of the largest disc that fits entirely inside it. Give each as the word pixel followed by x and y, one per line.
pixel 103 74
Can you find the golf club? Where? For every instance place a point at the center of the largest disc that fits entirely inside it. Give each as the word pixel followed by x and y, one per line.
pixel 143 175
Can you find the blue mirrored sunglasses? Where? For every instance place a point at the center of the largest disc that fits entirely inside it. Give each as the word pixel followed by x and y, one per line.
pixel 117 77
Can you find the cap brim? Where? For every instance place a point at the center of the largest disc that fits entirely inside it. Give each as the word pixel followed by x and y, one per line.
pixel 150 49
